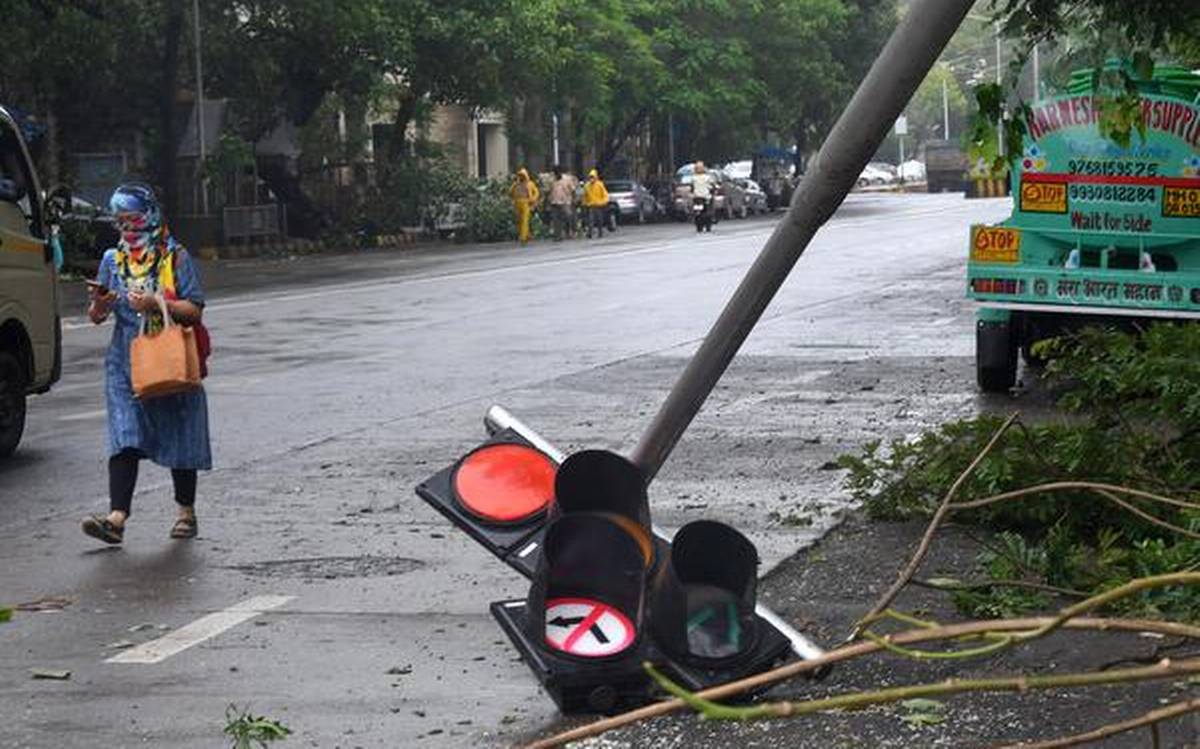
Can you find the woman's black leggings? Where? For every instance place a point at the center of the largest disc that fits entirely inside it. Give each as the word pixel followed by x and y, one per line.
pixel 122 478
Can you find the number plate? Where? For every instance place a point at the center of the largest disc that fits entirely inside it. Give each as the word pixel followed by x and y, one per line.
pixel 1181 202
pixel 995 244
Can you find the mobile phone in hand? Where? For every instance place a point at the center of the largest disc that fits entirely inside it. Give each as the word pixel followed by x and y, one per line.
pixel 97 287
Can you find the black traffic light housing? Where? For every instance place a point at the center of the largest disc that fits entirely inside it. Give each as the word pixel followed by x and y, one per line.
pixel 606 594
pixel 510 528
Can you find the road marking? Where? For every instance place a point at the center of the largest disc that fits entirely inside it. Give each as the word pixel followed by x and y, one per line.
pixel 204 628
pixel 587 628
pixel 84 415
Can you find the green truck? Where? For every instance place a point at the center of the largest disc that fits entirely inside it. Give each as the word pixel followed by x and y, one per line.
pixel 1099 231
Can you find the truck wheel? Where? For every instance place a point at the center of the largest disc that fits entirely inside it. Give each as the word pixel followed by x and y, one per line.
pixel 995 357
pixel 12 403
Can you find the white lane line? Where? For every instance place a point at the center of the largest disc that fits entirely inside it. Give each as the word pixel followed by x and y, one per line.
pixel 202 629
pixel 84 415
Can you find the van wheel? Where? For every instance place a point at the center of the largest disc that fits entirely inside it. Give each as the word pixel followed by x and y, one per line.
pixel 995 357
pixel 12 403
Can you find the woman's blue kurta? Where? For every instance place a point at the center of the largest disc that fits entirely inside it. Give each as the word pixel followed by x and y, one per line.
pixel 171 430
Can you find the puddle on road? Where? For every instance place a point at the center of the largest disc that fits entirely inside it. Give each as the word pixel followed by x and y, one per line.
pixel 330 568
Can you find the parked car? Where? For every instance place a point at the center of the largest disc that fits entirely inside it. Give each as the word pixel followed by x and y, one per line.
pixel 756 198
pixel 632 201
pixel 912 171
pixel 872 176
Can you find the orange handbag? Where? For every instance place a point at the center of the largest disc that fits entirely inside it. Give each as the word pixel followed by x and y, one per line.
pixel 166 362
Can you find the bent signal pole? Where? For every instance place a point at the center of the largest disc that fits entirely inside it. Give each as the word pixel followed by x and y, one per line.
pixel 879 100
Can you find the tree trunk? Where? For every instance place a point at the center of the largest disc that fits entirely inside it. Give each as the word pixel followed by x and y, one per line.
pixel 406 111
pixel 613 143
pixel 305 218
pixel 168 148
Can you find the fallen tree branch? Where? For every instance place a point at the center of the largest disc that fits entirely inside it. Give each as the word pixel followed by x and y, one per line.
pixel 1054 486
pixel 983 584
pixel 1151 719
pixel 918 556
pixel 859 649
pixel 1164 669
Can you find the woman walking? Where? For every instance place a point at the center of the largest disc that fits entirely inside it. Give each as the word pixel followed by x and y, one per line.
pixel 525 195
pixel 171 430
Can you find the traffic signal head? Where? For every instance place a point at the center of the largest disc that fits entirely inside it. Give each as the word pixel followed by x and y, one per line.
pixel 591 573
pixel 604 483
pixel 703 595
pixel 500 493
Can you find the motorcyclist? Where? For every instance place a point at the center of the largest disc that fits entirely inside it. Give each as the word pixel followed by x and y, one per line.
pixel 704 186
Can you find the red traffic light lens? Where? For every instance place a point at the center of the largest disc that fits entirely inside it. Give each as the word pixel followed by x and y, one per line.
pixel 505 483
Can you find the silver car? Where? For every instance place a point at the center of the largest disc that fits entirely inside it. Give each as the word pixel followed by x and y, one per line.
pixel 632 201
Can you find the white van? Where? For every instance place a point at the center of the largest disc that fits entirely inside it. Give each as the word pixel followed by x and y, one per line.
pixel 30 328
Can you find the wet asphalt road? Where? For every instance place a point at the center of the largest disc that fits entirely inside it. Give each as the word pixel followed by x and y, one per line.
pixel 340 382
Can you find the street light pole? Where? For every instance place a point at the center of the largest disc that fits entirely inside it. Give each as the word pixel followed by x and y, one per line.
pixel 199 104
pixel 904 62
pixel 1037 78
pixel 999 82
pixel 945 111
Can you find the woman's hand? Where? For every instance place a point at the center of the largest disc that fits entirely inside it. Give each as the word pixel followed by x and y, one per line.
pixel 143 302
pixel 101 301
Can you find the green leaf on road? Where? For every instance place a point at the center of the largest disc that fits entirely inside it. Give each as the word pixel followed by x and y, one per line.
pixel 5 614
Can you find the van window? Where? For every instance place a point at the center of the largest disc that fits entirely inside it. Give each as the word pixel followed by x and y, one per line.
pixel 13 167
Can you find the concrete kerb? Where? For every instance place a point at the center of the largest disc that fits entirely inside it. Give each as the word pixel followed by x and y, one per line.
pixel 293 246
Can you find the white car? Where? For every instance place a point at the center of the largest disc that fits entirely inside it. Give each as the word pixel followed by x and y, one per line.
pixel 873 176
pixel 912 171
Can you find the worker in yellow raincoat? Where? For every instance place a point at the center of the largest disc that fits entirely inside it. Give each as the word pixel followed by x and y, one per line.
pixel 595 203
pixel 525 196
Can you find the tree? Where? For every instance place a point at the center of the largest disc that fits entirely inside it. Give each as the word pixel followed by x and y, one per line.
pixel 925 110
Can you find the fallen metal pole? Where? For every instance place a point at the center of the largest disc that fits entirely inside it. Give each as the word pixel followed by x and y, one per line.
pixel 498 418
pixel 879 100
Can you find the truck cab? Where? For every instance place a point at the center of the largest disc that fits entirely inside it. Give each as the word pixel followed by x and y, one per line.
pixel 1099 232
pixel 30 327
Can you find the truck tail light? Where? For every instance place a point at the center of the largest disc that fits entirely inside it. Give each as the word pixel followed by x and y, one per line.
pixel 998 286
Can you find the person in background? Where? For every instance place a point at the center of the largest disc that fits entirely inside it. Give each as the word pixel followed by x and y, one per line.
pixel 146 271
pixel 595 202
pixel 562 204
pixel 525 196
pixel 704 186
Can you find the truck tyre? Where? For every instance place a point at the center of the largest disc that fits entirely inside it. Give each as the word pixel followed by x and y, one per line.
pixel 995 357
pixel 12 403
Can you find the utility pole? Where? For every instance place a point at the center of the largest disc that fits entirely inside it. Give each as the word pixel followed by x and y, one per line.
pixel 945 111
pixel 554 120
pixel 671 144
pixel 199 105
pixel 901 66
pixel 1037 78
pixel 999 82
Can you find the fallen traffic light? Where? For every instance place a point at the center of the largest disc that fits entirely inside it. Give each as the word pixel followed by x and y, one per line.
pixel 580 628
pixel 606 593
pixel 702 604
pixel 499 493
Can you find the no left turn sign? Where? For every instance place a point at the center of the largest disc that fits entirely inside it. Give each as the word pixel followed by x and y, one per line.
pixel 587 628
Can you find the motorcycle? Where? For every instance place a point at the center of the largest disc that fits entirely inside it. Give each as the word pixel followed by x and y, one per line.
pixel 702 213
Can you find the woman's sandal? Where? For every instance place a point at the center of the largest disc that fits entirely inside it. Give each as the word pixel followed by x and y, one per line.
pixel 98 526
pixel 185 528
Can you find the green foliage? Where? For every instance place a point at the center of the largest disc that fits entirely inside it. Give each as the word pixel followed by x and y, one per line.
pixel 1133 402
pixel 489 214
pixel 5 614
pixel 1088 34
pixel 248 731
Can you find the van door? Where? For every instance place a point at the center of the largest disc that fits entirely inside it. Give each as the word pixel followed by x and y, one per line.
pixel 28 292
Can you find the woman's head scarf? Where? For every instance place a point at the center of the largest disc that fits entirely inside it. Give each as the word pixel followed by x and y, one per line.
pixel 139 220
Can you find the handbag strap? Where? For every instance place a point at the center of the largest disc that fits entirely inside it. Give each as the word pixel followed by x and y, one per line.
pixel 166 315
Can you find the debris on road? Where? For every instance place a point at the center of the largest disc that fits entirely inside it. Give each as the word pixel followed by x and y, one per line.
pixel 50 673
